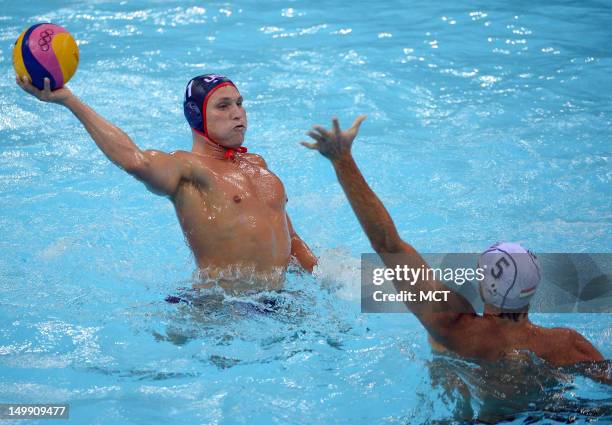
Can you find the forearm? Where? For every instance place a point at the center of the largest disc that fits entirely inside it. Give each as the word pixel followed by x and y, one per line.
pixel 370 211
pixel 383 235
pixel 111 140
pixel 438 317
pixel 302 253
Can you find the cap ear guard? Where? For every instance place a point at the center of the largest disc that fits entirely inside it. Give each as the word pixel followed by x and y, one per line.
pixel 193 114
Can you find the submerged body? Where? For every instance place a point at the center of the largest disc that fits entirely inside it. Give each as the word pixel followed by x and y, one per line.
pixel 501 390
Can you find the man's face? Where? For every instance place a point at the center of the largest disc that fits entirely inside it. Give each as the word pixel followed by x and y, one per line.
pixel 226 119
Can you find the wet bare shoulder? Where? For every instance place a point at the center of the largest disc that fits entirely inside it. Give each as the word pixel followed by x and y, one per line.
pixel 191 157
pixel 196 166
pixel 183 154
pixel 565 346
pixel 582 348
pixel 472 336
pixel 256 159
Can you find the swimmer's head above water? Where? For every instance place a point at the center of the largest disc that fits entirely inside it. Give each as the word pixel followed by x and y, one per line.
pixel 512 275
pixel 213 109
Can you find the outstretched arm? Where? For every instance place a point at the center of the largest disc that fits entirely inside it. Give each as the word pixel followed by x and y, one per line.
pixel 161 172
pixel 300 251
pixel 438 319
pixel 374 218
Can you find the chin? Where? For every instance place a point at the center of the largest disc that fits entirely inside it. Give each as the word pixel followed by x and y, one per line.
pixel 234 143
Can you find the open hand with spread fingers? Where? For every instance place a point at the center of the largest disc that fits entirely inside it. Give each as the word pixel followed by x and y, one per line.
pixel 334 144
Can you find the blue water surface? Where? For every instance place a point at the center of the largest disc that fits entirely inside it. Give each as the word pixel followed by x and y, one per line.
pixel 486 121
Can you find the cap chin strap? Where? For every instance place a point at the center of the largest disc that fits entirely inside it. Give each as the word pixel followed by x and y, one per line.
pixel 229 153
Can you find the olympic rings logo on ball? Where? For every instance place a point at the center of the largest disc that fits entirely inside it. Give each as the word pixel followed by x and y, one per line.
pixel 46 50
pixel 45 39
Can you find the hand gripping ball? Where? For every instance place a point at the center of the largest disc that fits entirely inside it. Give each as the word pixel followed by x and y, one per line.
pixel 46 50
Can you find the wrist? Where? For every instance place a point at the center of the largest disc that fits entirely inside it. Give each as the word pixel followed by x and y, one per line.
pixel 343 159
pixel 69 101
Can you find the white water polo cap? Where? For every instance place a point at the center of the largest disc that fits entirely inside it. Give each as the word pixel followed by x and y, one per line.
pixel 511 275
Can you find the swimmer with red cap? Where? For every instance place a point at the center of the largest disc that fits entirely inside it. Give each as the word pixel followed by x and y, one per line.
pixel 198 95
pixel 231 207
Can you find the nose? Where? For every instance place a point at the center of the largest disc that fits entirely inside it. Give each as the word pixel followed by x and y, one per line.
pixel 237 112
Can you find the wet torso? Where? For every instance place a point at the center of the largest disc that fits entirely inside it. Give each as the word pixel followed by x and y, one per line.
pixel 236 218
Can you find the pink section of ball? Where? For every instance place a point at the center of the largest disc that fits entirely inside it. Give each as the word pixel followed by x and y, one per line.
pixel 39 43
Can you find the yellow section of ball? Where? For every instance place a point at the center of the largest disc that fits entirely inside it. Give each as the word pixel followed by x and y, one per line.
pixel 67 53
pixel 18 64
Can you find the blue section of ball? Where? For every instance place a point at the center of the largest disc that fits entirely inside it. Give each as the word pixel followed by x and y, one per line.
pixel 37 72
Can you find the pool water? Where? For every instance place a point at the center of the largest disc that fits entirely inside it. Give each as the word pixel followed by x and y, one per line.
pixel 486 122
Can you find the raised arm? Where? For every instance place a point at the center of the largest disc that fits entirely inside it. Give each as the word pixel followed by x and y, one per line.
pixel 161 172
pixel 438 318
pixel 371 213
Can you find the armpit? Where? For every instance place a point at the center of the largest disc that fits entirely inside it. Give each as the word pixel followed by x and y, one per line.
pixel 194 169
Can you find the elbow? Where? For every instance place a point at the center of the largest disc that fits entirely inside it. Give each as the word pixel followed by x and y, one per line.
pixel 388 244
pixel 379 247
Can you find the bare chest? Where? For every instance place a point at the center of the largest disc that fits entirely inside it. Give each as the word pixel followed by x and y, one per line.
pixel 250 182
